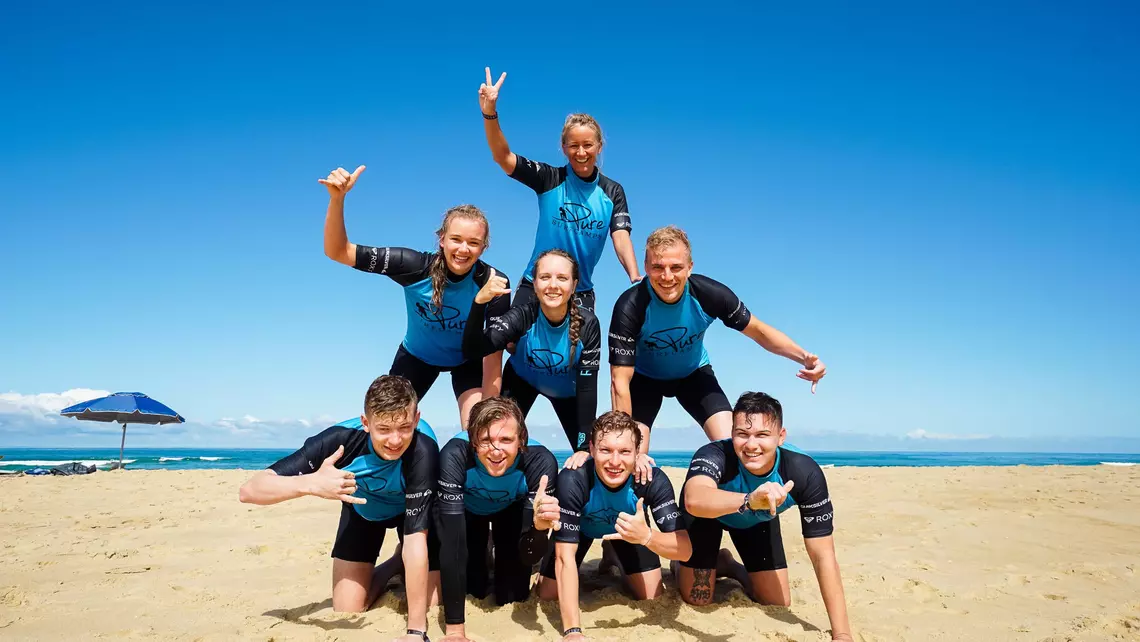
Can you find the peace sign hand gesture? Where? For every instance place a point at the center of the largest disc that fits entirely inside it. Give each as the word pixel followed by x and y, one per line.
pixel 495 286
pixel 489 93
pixel 339 181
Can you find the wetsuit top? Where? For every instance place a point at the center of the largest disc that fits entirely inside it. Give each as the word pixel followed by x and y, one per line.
pixel 542 354
pixel 719 461
pixel 573 214
pixel 666 340
pixel 465 486
pixel 590 508
pixel 434 336
pixel 403 486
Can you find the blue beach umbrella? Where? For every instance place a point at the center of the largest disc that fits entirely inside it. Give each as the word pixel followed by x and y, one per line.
pixel 123 408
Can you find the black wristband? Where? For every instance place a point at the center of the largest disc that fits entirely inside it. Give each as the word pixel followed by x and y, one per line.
pixel 422 634
pixel 573 629
pixel 493 116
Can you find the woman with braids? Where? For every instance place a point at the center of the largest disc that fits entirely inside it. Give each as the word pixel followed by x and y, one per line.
pixel 492 477
pixel 557 344
pixel 438 289
pixel 577 205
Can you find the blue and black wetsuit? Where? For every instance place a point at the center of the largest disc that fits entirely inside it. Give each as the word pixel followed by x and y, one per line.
pixel 433 342
pixel 590 510
pixel 574 215
pixel 664 342
pixel 756 534
pixel 399 492
pixel 544 362
pixel 469 501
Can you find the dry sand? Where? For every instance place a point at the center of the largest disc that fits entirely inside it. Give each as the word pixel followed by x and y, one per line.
pixel 927 554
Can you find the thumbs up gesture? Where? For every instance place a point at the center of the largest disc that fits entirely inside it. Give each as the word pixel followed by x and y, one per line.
pixel 633 528
pixel 769 496
pixel 495 286
pixel 545 509
pixel 331 483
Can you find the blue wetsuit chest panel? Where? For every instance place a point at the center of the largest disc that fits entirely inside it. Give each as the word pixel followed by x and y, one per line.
pixel 602 508
pixel 485 494
pixel 378 480
pixel 542 358
pixel 435 335
pixel 671 345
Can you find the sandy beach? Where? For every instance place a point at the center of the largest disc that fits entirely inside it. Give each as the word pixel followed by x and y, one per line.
pixel 1020 553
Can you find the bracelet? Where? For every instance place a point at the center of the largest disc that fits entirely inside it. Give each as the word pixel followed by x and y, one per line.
pixel 422 634
pixel 493 116
pixel 573 629
pixel 648 539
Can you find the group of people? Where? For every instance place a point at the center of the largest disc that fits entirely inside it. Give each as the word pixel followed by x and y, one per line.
pixel 479 515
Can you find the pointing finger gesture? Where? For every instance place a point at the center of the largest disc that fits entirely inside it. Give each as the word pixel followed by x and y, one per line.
pixel 495 286
pixel 489 93
pixel 339 181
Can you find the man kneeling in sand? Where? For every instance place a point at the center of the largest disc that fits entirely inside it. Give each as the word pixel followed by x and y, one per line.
pixel 383 467
pixel 741 485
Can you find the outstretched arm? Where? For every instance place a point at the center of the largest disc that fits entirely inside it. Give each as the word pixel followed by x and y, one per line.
pixel 488 103
pixel 779 343
pixel 337 246
pixel 821 551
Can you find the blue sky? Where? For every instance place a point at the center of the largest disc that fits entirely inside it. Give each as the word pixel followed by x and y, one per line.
pixel 941 202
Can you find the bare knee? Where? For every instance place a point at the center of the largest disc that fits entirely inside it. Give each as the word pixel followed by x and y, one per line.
pixel 348 606
pixel 697 598
pixel 547 589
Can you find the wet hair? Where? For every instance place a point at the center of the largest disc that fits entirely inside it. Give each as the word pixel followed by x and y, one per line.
pixel 572 305
pixel 493 409
pixel 574 120
pixel 389 395
pixel 438 269
pixel 668 236
pixel 615 421
pixel 760 403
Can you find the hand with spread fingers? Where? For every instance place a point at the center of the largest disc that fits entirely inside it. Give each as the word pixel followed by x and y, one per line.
pixel 769 496
pixel 546 510
pixel 495 286
pixel 633 528
pixel 813 370
pixel 643 469
pixel 489 93
pixel 330 482
pixel 575 461
pixel 339 181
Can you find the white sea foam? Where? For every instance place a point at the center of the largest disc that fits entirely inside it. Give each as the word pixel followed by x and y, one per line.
pixel 1117 463
pixel 162 459
pixel 212 458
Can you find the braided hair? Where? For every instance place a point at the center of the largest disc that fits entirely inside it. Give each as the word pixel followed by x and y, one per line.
pixel 572 304
pixel 438 268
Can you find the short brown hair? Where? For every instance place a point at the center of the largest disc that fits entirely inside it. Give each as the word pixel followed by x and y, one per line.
pixel 667 236
pixel 493 409
pixel 389 395
pixel 615 421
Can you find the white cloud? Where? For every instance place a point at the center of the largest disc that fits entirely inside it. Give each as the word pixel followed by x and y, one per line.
pixel 922 434
pixel 46 405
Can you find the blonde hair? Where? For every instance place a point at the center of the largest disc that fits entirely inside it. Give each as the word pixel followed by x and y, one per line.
pixel 438 269
pixel 668 236
pixel 586 120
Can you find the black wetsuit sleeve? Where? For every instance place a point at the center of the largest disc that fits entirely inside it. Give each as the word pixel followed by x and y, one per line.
pixel 536 175
pixel 710 460
pixel 625 324
pixel 809 492
pixel 719 302
pixel 451 525
pixel 500 304
pixel 421 471
pixel 482 337
pixel 537 461
pixel 619 219
pixel 573 494
pixel 586 387
pixel 660 498
pixel 403 265
pixel 308 458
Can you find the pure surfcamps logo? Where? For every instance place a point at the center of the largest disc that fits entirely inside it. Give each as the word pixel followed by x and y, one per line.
pixel 547 361
pixel 443 318
pixel 676 338
pixel 578 217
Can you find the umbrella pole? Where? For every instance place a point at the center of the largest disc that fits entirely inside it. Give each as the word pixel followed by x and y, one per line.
pixel 121 444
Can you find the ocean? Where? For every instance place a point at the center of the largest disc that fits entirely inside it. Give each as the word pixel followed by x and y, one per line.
pixel 18 459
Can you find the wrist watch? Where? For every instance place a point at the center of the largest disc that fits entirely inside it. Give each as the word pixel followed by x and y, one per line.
pixel 744 507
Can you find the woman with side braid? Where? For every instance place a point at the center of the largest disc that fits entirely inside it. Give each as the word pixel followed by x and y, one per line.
pixel 438 290
pixel 557 344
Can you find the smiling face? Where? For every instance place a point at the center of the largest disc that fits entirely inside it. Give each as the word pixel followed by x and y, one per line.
pixel 668 268
pixel 462 243
pixel 614 453
pixel 581 145
pixel 392 432
pixel 554 283
pixel 498 446
pixel 755 438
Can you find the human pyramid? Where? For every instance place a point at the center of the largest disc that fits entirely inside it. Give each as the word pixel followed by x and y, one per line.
pixel 492 484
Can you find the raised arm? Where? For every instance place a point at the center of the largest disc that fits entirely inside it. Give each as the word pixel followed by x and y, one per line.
pixel 478 340
pixel 337 246
pixel 488 103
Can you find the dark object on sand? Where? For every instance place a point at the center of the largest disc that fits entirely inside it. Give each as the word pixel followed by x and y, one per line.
pixel 74 468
